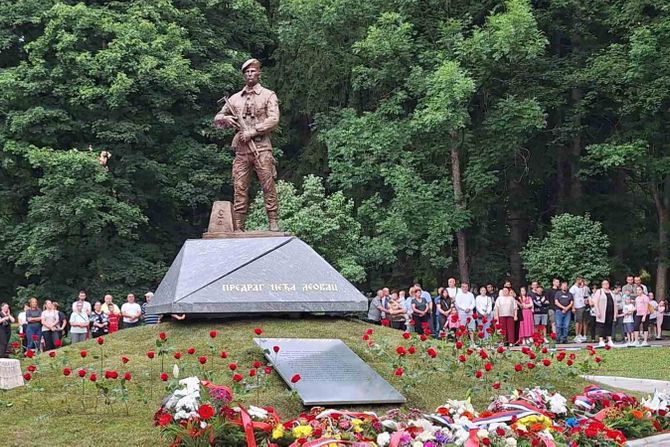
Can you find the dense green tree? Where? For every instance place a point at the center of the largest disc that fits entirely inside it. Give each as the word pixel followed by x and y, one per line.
pixel 574 246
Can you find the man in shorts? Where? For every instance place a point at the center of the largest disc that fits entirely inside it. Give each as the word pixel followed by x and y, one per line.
pixel 579 292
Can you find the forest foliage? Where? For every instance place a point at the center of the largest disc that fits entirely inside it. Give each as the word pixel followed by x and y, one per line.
pixel 419 139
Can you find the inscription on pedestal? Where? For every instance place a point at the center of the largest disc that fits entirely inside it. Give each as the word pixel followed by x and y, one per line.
pixel 330 372
pixel 221 219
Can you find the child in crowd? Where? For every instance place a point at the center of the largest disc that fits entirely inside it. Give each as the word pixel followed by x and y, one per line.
pixel 452 323
pixel 628 319
pixel 660 313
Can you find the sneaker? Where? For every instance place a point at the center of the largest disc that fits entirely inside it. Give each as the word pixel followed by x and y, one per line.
pixel 601 344
pixel 644 343
pixel 610 344
pixel 577 339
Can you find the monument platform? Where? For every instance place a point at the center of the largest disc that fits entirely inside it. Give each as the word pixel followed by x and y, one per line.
pixel 253 275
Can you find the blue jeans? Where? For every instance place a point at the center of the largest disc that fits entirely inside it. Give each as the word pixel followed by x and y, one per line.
pixel 562 325
pixel 30 331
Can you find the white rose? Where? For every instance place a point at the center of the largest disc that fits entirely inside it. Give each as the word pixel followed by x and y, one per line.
pixel 511 442
pixel 417 444
pixel 383 439
pixel 481 434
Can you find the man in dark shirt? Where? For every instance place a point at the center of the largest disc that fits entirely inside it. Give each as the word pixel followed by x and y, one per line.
pixel 551 313
pixel 563 302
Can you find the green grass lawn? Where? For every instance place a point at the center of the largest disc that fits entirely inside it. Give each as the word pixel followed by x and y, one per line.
pixel 54 408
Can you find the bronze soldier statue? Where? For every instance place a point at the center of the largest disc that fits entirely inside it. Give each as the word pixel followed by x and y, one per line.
pixel 254 112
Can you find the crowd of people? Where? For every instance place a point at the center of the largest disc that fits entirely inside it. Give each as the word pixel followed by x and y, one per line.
pixel 43 328
pixel 627 314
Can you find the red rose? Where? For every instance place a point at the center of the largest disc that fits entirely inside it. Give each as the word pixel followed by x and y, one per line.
pixel 470 351
pixel 164 419
pixel 553 335
pixel 177 355
pixel 518 367
pixel 93 377
pixel 81 372
pixel 22 335
pixel 385 322
pixel 432 353
pixel 256 364
pixel 399 372
pixel 114 374
pixel 569 362
pixel 406 335
pixel 496 385
pixel 100 340
pixel 544 350
pixel 532 356
pixel 127 377
pixel 162 336
pixel 52 354
pixel 58 343
pixel 366 337
pixel 546 362
pixel 560 356
pixel 223 355
pixel 205 411
pixel 400 350
pixel 572 356
pixel 30 353
pixel 500 349
pixel 258 331
pixel 237 377
pixel 488 367
pixel 36 337
pixel 500 431
pixel 525 350
pixel 27 377
pixel 212 334
pixel 462 358
pixel 369 331
pixel 423 337
pixel 598 359
pixel 296 378
pixel 478 374
pixel 202 359
pixel 67 371
pixel 483 354
pixel 486 441
pixel 252 372
pixel 32 368
pixel 164 377
pixel 480 334
pixel 275 348
pixel 411 349
pixel 16 345
pixel 232 366
pixel 607 347
pixel 151 354
pixel 530 365
pixel 83 354
pixel 191 350
pixel 459 344
pixel 268 370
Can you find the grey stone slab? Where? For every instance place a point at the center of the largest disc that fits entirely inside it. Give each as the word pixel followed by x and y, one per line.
pixel 662 440
pixel 631 384
pixel 331 373
pixel 254 275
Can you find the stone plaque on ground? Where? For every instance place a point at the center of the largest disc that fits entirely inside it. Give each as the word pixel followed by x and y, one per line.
pixel 331 373
pixel 267 275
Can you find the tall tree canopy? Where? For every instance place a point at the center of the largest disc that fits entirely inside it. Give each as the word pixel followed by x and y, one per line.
pixel 419 139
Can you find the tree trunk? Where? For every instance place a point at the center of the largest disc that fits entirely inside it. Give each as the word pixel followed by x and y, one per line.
pixel 662 265
pixel 576 153
pixel 517 230
pixel 463 269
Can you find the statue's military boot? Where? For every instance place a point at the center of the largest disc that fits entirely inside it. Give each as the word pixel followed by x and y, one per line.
pixel 239 221
pixel 273 222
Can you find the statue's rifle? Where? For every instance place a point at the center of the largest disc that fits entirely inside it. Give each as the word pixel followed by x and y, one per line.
pixel 240 122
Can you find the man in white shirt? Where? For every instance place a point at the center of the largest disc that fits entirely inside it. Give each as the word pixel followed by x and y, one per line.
pixel 452 290
pixel 85 305
pixel 465 303
pixel 579 292
pixel 109 307
pixel 131 312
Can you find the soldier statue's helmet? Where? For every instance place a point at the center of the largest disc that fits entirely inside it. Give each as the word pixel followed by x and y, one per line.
pixel 251 62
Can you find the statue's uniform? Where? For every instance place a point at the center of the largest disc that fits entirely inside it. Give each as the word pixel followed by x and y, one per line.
pixel 259 109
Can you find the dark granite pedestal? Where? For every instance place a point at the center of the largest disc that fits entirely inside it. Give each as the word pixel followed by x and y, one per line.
pixel 253 275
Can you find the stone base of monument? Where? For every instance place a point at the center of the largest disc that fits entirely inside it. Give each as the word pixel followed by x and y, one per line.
pixel 10 374
pixel 264 276
pixel 330 372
